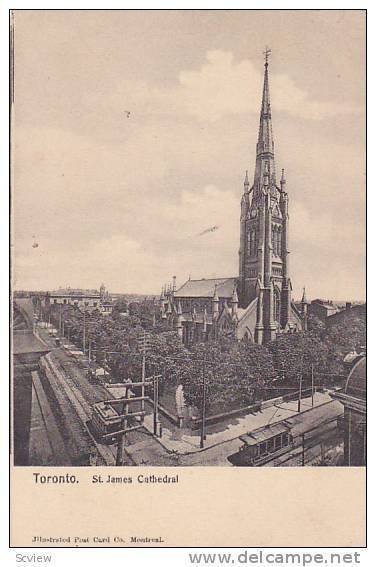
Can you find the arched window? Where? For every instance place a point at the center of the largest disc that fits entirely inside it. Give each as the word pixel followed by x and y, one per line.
pixel 274 239
pixel 252 243
pixel 277 305
pixel 247 337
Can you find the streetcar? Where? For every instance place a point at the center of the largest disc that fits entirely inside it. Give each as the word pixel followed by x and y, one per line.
pixel 263 445
pixel 105 420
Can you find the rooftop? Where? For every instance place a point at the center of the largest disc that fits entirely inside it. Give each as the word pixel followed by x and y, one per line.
pixel 74 292
pixel 26 308
pixel 27 342
pixel 356 384
pixel 310 419
pixel 206 287
pixel 325 303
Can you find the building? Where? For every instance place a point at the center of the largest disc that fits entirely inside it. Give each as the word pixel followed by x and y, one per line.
pixel 255 305
pixel 331 313
pixel 322 309
pixel 354 399
pixel 348 315
pixel 27 349
pixel 83 299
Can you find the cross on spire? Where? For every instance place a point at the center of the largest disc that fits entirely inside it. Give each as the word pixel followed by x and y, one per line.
pixel 267 52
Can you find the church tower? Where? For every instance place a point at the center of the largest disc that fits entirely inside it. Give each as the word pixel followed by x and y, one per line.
pixel 263 253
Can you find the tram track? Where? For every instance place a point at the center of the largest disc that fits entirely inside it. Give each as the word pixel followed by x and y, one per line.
pixel 82 407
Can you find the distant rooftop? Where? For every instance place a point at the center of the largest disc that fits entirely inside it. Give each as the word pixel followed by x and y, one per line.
pixel 325 302
pixel 75 292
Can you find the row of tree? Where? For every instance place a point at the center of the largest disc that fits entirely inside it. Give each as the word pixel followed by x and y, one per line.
pixel 236 373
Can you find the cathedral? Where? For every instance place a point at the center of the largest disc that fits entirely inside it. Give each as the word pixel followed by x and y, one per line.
pixel 255 305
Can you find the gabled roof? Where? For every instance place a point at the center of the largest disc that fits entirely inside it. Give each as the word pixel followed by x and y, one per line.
pixel 248 310
pixel 296 311
pixel 206 287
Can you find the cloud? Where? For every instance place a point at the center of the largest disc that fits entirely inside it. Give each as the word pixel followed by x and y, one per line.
pixel 123 200
pixel 223 86
pixel 96 217
pixel 324 231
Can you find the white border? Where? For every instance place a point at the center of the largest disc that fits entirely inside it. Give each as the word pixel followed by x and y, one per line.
pixel 166 557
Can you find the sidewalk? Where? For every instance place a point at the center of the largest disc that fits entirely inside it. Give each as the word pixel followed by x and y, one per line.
pixel 232 428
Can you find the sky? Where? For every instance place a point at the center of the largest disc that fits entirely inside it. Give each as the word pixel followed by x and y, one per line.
pixel 123 198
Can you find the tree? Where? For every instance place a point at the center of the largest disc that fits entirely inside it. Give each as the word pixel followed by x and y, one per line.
pixel 119 306
pixel 348 335
pixel 148 313
pixel 295 354
pixel 165 356
pixel 233 373
pixel 315 325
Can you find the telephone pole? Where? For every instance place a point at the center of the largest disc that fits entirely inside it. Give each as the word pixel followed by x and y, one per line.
pixel 155 400
pixel 84 332
pixel 124 424
pixel 300 387
pixel 143 374
pixel 312 384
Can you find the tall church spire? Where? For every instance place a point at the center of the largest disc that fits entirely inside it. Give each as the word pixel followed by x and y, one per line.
pixel 263 251
pixel 265 142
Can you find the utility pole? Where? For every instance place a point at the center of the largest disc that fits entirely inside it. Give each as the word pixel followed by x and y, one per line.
pixel 124 424
pixel 143 374
pixel 300 387
pixel 312 383
pixel 89 351
pixel 203 435
pixel 156 399
pixel 303 449
pixel 84 332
